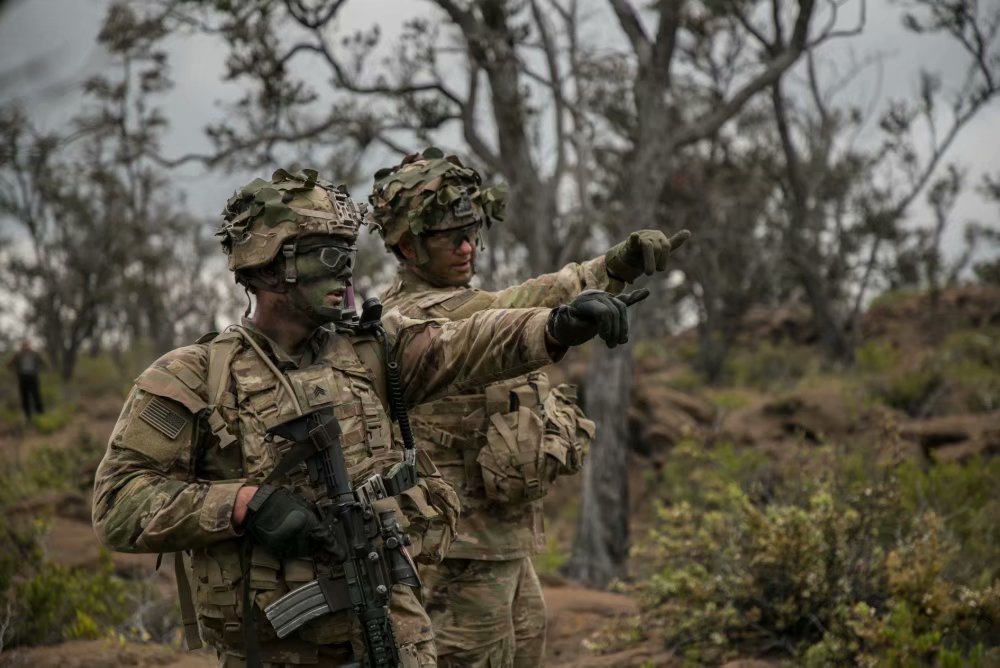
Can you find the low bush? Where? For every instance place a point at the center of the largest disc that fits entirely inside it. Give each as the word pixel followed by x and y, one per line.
pixel 851 566
pixel 876 357
pixel 44 602
pixel 56 603
pixel 768 366
pixel 49 467
pixel 53 419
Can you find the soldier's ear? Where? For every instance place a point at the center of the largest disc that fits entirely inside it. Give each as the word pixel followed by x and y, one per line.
pixel 406 248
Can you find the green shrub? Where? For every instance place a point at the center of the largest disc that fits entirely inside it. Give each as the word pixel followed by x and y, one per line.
pixel 909 390
pixel 57 603
pixel 550 560
pixel 769 366
pixel 968 495
pixel 876 357
pixel 970 360
pixel 685 379
pixel 891 298
pixel 728 400
pixel 841 568
pixel 100 375
pixel 20 545
pixel 53 419
pixel 52 468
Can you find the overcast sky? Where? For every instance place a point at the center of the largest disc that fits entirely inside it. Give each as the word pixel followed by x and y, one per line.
pixel 61 34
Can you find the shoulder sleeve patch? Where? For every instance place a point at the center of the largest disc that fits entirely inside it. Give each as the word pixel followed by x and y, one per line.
pixel 395 322
pixel 458 300
pixel 438 297
pixel 162 416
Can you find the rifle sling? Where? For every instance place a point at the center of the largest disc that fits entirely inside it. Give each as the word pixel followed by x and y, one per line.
pixel 299 453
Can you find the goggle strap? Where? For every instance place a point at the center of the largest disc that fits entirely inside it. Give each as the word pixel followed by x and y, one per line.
pixel 291 272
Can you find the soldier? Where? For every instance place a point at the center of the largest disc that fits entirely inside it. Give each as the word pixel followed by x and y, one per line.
pixel 500 444
pixel 187 462
pixel 28 364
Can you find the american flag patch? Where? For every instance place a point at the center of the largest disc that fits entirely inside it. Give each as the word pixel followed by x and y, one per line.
pixel 163 417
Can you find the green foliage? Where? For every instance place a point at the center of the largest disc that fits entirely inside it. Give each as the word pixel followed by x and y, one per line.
pixel 53 468
pixel 890 298
pixel 962 374
pixel 968 495
pixel 876 357
pixel 728 400
pixel 909 390
pixel 57 603
pixel 685 379
pixel 20 544
pixel 49 602
pixel 768 366
pixel 855 565
pixel 550 560
pixel 53 419
pixel 971 363
pixel 102 375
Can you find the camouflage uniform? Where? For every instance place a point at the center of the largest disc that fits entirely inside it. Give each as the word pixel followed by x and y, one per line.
pixel 192 433
pixel 484 599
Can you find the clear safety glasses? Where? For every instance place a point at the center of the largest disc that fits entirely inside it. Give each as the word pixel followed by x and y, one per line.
pixel 454 238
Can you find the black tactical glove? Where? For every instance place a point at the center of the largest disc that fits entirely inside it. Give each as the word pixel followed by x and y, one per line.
pixel 644 252
pixel 593 313
pixel 281 521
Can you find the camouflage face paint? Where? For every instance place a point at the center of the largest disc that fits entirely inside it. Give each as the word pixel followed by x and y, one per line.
pixel 323 275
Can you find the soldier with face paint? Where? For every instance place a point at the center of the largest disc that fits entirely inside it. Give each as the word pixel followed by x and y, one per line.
pixel 189 465
pixel 501 444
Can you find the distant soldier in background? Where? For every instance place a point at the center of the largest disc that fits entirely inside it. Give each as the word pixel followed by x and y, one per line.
pixel 28 365
pixel 501 444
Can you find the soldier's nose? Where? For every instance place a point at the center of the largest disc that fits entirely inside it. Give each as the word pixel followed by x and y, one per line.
pixel 464 248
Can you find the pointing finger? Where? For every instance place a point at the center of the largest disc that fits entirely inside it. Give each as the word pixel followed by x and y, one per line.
pixel 678 239
pixel 634 297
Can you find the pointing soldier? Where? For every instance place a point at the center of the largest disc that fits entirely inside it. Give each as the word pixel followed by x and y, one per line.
pixel 194 465
pixel 500 444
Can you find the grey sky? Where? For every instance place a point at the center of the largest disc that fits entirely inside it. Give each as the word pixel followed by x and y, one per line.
pixel 62 33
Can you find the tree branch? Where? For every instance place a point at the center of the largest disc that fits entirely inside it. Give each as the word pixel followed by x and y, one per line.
pixel 712 121
pixel 632 27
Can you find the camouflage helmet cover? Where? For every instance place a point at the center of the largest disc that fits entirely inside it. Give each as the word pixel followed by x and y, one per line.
pixel 428 192
pixel 265 215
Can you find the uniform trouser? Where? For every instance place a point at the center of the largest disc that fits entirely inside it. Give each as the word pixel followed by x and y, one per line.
pixel 31 395
pixel 487 614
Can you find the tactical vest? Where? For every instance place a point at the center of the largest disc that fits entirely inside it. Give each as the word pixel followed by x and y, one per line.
pixel 500 448
pixel 248 395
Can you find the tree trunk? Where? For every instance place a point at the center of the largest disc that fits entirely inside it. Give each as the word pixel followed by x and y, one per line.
pixel 600 549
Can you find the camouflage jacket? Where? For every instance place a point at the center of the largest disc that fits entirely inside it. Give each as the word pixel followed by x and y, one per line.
pixel 452 429
pixel 168 481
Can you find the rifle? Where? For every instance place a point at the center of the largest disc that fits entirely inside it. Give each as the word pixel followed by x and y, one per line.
pixel 349 536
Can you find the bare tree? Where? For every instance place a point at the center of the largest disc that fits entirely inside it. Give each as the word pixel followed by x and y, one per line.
pixel 103 237
pixel 498 74
pixel 673 107
pixel 836 239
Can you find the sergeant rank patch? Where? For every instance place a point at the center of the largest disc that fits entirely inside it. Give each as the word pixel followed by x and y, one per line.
pixel 163 417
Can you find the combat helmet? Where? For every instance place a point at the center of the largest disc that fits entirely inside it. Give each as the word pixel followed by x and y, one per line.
pixel 266 219
pixel 429 192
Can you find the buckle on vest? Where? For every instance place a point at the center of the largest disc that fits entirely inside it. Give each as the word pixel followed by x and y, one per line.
pixel 219 428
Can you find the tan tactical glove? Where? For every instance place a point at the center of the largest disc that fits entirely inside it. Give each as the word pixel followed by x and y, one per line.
pixel 644 252
pixel 432 508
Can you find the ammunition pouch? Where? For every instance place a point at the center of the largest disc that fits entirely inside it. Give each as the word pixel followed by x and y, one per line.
pixel 432 510
pixel 534 435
